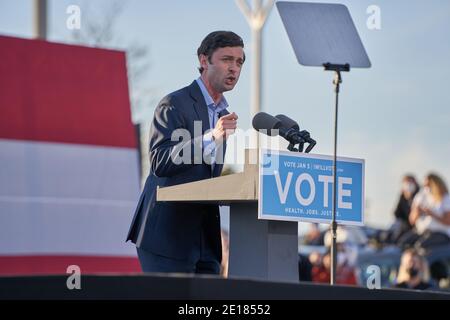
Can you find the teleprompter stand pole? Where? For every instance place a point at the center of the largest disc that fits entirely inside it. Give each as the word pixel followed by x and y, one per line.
pixel 337 68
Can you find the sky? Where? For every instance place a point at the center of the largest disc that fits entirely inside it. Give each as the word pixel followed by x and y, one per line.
pixel 395 115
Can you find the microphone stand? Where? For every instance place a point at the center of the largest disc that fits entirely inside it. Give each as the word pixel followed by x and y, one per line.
pixel 300 139
pixel 291 147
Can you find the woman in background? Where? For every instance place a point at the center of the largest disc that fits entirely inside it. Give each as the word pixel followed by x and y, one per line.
pixel 430 216
pixel 401 226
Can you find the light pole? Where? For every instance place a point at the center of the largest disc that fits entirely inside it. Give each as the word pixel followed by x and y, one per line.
pixel 256 18
pixel 40 19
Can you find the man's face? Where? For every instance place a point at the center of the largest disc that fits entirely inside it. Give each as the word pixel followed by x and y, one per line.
pixel 225 67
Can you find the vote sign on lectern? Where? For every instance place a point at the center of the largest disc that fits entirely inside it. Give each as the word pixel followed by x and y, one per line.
pixel 298 187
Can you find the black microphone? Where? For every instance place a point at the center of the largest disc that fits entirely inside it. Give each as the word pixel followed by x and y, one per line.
pixel 290 123
pixel 267 123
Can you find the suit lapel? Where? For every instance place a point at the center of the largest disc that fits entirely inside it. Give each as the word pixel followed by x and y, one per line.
pixel 200 105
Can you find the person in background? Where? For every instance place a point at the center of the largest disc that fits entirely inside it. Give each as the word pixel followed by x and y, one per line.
pixel 413 271
pixel 401 225
pixel 314 237
pixel 304 268
pixel 347 242
pixel 321 270
pixel 430 216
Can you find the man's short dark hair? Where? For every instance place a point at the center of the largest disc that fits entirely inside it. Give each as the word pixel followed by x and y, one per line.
pixel 218 39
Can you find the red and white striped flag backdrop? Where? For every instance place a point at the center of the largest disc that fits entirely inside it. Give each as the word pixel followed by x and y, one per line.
pixel 68 159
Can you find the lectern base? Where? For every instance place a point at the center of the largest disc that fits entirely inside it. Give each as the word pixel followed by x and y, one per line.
pixel 261 249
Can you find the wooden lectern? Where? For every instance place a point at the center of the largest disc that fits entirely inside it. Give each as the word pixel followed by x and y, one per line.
pixel 262 249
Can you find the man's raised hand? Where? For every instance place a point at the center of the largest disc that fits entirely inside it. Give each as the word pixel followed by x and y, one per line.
pixel 225 126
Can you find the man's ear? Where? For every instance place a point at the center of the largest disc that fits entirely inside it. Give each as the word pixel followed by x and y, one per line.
pixel 203 59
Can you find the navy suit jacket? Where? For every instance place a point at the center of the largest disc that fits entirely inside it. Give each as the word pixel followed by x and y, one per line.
pixel 174 229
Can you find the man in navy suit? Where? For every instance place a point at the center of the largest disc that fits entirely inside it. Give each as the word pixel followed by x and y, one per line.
pixel 187 143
